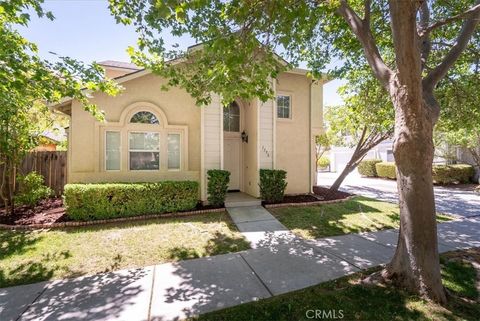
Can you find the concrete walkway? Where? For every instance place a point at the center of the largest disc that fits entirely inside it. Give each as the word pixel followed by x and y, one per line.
pixel 260 227
pixel 174 291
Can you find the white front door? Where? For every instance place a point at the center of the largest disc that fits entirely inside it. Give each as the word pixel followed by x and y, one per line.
pixel 231 160
pixel 232 144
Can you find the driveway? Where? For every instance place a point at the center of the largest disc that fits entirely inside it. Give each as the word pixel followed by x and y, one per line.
pixel 460 201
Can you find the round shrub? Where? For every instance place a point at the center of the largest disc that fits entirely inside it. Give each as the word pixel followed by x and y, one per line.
pixel 32 189
pixel 367 167
pixel 86 202
pixel 217 186
pixel 452 174
pixel 386 170
pixel 323 162
pixel 272 184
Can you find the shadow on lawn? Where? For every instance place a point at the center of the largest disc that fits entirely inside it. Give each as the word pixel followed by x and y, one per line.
pixel 219 244
pixel 335 219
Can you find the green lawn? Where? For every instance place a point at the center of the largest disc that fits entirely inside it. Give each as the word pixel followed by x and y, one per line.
pixel 31 256
pixel 359 214
pixel 360 302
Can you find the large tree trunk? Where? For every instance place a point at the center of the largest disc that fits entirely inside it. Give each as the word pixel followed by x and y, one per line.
pixel 415 265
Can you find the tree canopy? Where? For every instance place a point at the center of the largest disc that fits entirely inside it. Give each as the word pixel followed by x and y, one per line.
pixel 29 83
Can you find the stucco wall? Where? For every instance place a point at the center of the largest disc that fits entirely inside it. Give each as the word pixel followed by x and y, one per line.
pixel 293 135
pixel 85 141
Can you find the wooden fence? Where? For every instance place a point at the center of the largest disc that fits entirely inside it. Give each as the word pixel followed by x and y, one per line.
pixel 51 165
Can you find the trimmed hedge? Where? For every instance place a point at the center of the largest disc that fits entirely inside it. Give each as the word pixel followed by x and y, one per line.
pixel 323 162
pixel 86 202
pixel 217 186
pixel 367 167
pixel 452 174
pixel 441 174
pixel 272 184
pixel 386 170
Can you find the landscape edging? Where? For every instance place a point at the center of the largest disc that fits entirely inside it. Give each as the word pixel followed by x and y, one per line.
pixel 308 203
pixel 113 220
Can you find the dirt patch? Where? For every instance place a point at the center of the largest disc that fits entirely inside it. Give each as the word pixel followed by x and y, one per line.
pixel 46 212
pixel 327 195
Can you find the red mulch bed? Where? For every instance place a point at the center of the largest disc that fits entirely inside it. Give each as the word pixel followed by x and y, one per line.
pixel 287 199
pixel 328 195
pixel 52 211
pixel 47 211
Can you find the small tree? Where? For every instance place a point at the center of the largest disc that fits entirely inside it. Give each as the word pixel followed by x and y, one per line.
pixel 363 122
pixel 322 145
pixel 27 83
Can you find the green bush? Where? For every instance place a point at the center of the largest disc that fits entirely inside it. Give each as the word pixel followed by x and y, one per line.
pixel 32 189
pixel 323 162
pixel 452 174
pixel 386 170
pixel 367 167
pixel 217 186
pixel 272 184
pixel 111 200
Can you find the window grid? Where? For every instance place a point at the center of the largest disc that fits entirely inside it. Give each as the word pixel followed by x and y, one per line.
pixel 283 106
pixel 231 118
pixel 144 158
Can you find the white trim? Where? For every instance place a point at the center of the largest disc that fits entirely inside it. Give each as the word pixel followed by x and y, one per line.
pixel 203 190
pixel 285 93
pixel 274 120
pixel 125 127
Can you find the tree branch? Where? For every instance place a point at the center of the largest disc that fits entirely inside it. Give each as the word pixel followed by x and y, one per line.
pixel 427 29
pixel 364 34
pixel 367 11
pixel 454 53
pixel 425 42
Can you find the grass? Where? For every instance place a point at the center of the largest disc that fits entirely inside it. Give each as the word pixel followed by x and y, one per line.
pixel 32 256
pixel 360 302
pixel 360 214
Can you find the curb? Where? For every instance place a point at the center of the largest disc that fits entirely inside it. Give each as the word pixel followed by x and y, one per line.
pixel 113 220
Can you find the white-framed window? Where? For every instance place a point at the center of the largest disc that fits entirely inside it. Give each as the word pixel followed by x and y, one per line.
pixel 284 106
pixel 174 151
pixel 144 151
pixel 112 150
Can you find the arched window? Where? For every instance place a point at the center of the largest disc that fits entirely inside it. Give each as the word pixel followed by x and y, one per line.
pixel 231 118
pixel 144 117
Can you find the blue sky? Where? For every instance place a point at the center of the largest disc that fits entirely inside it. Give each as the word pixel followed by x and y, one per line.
pixel 85 30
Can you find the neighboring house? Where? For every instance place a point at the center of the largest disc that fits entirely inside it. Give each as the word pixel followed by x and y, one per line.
pixel 48 141
pixel 154 135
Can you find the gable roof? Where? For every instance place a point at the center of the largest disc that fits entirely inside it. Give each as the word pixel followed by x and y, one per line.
pixel 119 64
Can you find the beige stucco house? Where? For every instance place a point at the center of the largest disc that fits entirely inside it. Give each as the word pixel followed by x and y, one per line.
pixel 152 135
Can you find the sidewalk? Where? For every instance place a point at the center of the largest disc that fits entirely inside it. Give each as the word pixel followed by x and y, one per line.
pixel 174 291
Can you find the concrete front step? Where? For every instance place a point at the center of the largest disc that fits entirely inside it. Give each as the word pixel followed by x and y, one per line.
pixel 239 199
